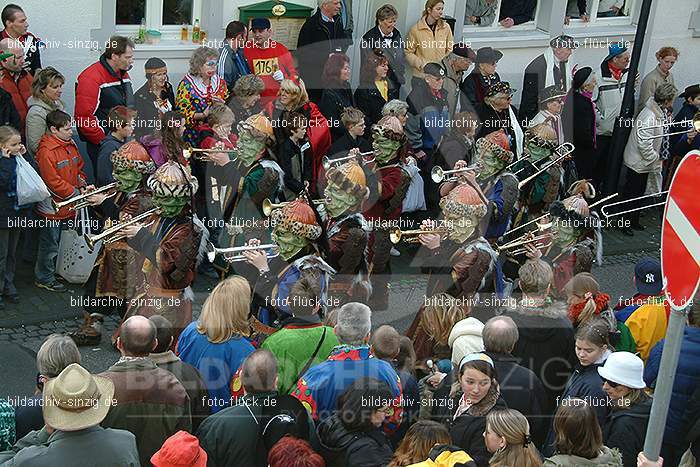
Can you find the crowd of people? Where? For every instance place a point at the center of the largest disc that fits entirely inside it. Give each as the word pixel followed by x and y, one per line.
pixel 263 169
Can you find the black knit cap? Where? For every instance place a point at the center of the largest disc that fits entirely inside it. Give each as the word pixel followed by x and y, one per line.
pixel 154 63
pixel 581 76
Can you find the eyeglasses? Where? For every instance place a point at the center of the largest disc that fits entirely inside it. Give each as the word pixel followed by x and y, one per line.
pixel 612 384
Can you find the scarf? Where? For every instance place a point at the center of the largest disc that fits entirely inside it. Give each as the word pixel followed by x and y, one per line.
pixel 616 72
pixel 551 61
pixel 601 303
pixel 589 95
pixel 519 135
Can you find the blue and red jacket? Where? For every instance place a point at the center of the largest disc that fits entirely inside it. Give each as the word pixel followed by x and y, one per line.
pixel 319 388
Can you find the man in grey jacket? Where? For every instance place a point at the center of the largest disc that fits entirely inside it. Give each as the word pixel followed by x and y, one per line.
pixel 73 435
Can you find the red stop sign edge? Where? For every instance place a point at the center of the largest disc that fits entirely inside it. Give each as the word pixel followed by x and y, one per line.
pixel 694 153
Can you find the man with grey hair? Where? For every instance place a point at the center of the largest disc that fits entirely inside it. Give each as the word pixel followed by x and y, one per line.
pixel 321 35
pixel 456 63
pixel 234 432
pixel 520 388
pixel 318 389
pixel 398 109
pixel 55 354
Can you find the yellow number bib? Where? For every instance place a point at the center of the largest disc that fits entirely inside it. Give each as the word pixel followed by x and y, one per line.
pixel 265 66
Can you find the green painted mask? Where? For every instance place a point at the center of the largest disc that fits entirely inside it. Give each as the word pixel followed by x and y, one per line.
pixel 490 165
pixel 460 227
pixel 129 179
pixel 565 235
pixel 170 205
pixel 537 153
pixel 289 243
pixel 338 201
pixel 385 149
pixel 248 148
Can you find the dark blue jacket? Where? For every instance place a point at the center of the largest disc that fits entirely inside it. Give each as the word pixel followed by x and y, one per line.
pixel 104 159
pixel 687 379
pixel 232 65
pixel 9 210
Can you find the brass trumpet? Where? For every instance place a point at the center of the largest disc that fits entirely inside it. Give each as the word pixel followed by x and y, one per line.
pixel 438 174
pixel 327 162
pixel 411 236
pixel 193 152
pixel 112 234
pixel 80 201
pixel 525 239
pixel 693 122
pixel 235 254
pixel 268 206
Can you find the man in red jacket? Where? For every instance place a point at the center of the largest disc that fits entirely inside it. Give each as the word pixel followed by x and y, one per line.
pixel 61 168
pixel 101 87
pixel 14 79
pixel 16 27
pixel 268 59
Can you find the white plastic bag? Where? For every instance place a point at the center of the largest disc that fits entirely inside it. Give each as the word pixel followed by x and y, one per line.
pixel 415 198
pixel 75 260
pixel 30 187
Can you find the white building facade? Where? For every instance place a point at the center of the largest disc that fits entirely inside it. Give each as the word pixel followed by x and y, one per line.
pixel 75 31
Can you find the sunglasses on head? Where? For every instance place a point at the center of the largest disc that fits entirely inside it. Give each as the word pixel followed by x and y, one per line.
pixel 612 384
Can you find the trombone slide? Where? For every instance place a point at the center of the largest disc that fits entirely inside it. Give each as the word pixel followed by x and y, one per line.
pixel 632 200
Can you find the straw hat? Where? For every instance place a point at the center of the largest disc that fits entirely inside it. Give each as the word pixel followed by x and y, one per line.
pixel 75 399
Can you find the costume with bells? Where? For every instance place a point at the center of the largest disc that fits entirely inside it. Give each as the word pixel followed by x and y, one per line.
pixel 347 232
pixel 577 237
pixel 170 247
pixel 117 272
pixel 462 261
pixel 388 185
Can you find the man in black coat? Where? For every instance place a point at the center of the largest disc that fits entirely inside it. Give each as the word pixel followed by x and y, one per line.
pixel 520 387
pixel 549 69
pixel 514 12
pixel 321 35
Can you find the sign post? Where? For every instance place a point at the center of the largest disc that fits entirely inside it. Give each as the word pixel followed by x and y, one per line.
pixel 680 266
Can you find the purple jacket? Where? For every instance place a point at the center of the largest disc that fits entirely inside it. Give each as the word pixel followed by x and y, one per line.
pixel 155 148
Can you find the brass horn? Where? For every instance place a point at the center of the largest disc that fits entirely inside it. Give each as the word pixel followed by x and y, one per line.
pixel 193 152
pixel 565 153
pixel 80 201
pixel 235 254
pixel 327 162
pixel 438 174
pixel 113 233
pixel 411 236
pixel 693 122
pixel 651 195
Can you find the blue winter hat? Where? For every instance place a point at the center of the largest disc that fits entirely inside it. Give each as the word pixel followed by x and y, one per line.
pixel 615 49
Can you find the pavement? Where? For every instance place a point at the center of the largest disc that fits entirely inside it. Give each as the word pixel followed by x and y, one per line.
pixel 24 327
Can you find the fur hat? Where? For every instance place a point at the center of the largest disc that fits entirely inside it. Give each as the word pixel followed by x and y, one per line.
pixel 173 180
pixel 463 201
pixel 575 207
pixel 496 143
pixel 297 217
pixel 390 127
pixel 350 178
pixel 133 156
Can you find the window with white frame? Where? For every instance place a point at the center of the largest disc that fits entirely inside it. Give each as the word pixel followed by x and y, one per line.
pixel 608 12
pixel 499 15
pixel 165 16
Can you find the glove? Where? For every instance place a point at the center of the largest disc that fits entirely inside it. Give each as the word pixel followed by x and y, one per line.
pixel 278 75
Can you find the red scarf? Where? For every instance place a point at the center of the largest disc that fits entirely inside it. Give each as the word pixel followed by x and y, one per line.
pixel 601 303
pixel 616 72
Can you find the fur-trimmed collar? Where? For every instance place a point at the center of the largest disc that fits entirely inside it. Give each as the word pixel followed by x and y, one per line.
pixel 481 408
pixel 554 310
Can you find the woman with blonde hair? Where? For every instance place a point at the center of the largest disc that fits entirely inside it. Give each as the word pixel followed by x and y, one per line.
pixel 430 330
pixel 418 442
pixel 429 40
pixel 507 437
pixel 47 88
pixel 217 343
pixel 293 98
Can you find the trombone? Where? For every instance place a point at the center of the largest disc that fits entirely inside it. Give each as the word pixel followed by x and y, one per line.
pixel 327 162
pixel 235 254
pixel 651 195
pixel 563 153
pixel 112 234
pixel 525 239
pixel 190 152
pixel 694 123
pixel 411 236
pixel 80 201
pixel 268 206
pixel 439 175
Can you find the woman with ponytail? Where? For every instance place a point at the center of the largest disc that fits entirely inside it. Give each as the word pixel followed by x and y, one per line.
pixel 507 437
pixel 586 302
pixel 592 350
